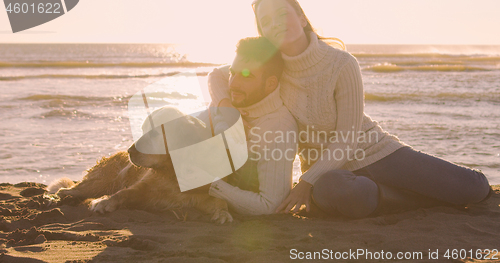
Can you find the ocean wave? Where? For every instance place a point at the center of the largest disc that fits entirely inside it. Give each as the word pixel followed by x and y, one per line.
pixel 71 114
pixel 453 115
pixel 381 97
pixel 171 95
pixel 429 55
pixel 389 67
pixel 425 63
pixel 60 103
pixel 400 55
pixel 68 101
pixel 103 76
pixel 87 64
pixel 61 97
pixel 77 99
pixel 6 156
pixel 483 59
pixel 77 114
pixel 7 106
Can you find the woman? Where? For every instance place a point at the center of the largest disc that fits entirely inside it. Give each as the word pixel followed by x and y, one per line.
pixel 367 169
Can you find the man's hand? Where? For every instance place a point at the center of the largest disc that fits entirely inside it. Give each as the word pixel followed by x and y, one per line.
pixel 299 195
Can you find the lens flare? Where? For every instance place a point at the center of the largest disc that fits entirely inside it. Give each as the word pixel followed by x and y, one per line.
pixel 245 72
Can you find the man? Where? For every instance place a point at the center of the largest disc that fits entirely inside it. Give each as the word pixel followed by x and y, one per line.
pixel 254 86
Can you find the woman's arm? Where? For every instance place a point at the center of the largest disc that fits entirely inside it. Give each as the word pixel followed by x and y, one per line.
pixel 349 101
pixel 218 87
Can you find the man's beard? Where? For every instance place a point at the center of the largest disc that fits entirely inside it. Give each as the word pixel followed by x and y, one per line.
pixel 251 98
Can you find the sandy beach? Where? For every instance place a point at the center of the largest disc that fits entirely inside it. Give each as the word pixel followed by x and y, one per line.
pixel 34 230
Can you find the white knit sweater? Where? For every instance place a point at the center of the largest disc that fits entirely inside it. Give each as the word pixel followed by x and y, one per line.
pixel 323 89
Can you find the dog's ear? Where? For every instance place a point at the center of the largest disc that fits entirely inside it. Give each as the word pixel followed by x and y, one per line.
pixel 152 142
pixel 155 161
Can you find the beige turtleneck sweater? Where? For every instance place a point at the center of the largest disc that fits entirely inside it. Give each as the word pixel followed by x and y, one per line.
pixel 323 89
pixel 269 118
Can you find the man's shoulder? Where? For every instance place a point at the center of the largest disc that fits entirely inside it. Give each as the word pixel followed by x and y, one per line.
pixel 278 120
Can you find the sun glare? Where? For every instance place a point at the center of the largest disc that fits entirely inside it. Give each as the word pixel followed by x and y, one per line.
pixel 220 53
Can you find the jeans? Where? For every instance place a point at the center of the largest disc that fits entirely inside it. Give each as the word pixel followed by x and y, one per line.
pixel 356 194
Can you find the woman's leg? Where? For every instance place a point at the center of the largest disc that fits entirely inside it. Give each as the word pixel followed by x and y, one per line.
pixel 429 176
pixel 341 191
pixel 404 179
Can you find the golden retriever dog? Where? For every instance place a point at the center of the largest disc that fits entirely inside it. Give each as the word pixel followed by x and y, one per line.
pixel 135 179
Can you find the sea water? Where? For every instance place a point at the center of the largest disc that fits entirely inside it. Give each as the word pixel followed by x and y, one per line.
pixel 64 106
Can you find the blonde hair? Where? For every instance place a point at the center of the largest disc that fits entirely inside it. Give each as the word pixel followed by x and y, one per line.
pixel 332 41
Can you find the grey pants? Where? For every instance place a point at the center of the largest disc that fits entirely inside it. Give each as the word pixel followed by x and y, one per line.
pixel 413 173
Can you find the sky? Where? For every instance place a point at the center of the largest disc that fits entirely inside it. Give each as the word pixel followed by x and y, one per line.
pixel 223 22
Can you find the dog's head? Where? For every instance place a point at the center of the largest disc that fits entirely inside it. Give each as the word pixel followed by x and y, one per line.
pixel 166 129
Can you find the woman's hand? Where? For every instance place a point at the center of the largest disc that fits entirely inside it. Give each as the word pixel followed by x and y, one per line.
pixel 227 103
pixel 299 195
